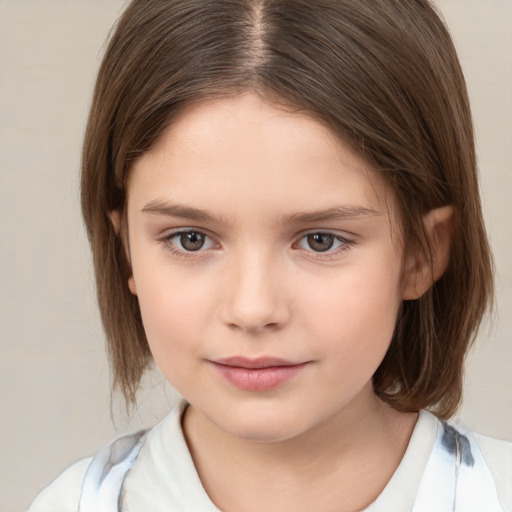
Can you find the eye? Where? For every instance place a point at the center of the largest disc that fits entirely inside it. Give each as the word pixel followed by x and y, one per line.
pixel 188 241
pixel 323 242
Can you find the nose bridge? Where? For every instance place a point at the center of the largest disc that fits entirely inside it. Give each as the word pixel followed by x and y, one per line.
pixel 254 295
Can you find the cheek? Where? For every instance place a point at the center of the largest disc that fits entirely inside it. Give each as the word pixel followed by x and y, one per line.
pixel 356 313
pixel 176 309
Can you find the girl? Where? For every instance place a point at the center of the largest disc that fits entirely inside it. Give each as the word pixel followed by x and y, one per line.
pixel 282 204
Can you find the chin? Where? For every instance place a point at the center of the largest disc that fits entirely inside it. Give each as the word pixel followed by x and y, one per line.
pixel 262 426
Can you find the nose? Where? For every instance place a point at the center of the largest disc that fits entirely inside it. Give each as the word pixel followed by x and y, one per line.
pixel 255 295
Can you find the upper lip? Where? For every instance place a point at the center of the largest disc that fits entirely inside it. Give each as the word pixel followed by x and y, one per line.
pixel 258 362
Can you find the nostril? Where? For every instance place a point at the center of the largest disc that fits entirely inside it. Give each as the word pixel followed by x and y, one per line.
pixel 246 327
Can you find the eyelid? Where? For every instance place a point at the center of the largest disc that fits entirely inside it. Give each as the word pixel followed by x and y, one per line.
pixel 171 232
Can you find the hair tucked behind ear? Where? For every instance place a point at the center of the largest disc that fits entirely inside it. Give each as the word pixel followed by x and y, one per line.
pixel 383 74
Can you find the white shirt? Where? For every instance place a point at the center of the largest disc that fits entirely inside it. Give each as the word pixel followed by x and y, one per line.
pixel 163 477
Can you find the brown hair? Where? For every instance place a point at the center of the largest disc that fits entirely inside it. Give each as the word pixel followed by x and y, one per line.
pixel 383 74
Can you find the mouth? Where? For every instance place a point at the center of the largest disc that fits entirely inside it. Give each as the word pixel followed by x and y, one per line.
pixel 260 374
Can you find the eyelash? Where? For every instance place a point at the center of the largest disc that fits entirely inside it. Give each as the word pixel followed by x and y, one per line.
pixel 345 244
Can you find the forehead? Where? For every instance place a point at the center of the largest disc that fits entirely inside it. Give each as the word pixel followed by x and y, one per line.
pixel 240 148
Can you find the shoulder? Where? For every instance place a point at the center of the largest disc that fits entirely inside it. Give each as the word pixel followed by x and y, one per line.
pixel 498 457
pixel 63 494
pixel 102 476
pixel 468 470
pixel 490 466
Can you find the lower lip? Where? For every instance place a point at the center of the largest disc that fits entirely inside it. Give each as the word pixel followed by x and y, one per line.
pixel 258 379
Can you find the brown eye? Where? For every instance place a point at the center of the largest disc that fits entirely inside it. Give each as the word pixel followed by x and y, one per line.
pixel 188 242
pixel 324 243
pixel 320 242
pixel 192 240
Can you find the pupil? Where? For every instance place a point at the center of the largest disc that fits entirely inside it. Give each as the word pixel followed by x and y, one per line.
pixel 320 242
pixel 192 241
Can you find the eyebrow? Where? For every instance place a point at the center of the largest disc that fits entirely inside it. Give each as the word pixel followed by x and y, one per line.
pixel 157 207
pixel 180 211
pixel 329 214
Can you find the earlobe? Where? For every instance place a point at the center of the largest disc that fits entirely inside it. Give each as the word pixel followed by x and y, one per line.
pixel 421 275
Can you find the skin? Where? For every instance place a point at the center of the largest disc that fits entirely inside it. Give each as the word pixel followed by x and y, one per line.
pixel 257 288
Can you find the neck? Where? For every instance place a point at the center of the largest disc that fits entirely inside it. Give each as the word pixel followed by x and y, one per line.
pixel 352 454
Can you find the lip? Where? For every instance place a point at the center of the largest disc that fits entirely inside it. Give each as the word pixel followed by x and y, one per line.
pixel 259 374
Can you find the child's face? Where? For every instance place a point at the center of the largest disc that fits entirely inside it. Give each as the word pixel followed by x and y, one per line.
pixel 258 239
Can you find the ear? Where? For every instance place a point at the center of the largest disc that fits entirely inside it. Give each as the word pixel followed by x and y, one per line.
pixel 131 285
pixel 421 275
pixel 115 218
